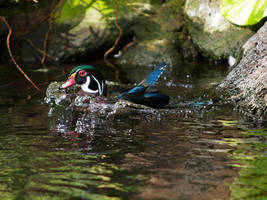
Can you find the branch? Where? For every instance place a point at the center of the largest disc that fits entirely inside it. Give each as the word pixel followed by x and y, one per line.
pixel 119 28
pixel 11 55
pixel 48 33
pixel 54 9
pixel 37 49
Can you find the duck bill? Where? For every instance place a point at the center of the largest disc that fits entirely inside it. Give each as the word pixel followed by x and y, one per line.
pixel 69 83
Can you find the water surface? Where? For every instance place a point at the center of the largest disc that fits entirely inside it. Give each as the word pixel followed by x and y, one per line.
pixel 199 152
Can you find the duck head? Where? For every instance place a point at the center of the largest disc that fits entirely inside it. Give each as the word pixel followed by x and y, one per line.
pixel 88 77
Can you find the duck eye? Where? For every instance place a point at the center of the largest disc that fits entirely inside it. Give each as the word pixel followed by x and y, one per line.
pixel 82 73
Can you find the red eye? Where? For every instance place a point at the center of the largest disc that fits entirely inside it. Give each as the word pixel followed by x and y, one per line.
pixel 82 73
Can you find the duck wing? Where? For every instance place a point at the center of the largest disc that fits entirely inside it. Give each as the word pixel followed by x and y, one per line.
pixel 150 80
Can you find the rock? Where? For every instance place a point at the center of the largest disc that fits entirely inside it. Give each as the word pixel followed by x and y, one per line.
pixel 246 84
pixel 213 35
pixel 79 28
pixel 87 30
pixel 159 38
pixel 149 53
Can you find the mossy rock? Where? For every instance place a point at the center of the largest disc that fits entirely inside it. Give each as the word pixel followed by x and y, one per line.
pixel 212 34
pixel 158 38
pixel 80 28
pixel 149 53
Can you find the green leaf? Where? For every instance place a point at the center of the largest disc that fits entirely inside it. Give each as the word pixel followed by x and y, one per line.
pixel 244 12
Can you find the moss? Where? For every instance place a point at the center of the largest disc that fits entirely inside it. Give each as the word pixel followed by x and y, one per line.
pixel 151 52
pixel 215 37
pixel 160 36
pixel 163 23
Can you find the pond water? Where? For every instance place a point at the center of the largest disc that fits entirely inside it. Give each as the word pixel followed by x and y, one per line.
pixel 203 151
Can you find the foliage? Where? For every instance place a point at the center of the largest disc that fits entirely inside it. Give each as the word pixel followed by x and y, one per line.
pixel 73 9
pixel 244 12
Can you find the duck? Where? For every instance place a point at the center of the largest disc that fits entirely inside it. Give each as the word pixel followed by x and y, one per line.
pixel 91 81
pixel 89 77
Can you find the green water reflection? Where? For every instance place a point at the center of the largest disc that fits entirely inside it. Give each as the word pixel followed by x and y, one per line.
pixel 251 157
pixel 58 175
pixel 36 164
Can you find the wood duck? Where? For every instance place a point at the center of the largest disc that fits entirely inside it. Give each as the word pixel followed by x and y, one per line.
pixel 88 77
pixel 92 81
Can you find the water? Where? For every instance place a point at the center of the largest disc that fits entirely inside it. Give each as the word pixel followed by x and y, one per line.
pixel 200 153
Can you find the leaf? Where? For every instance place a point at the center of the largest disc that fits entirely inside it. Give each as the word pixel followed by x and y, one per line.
pixel 244 12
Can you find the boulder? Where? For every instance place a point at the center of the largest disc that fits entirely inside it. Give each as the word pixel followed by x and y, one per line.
pixel 246 84
pixel 149 53
pixel 79 28
pixel 159 37
pixel 212 34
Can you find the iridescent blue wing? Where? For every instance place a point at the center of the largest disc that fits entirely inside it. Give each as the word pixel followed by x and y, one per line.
pixel 138 89
pixel 139 94
pixel 150 80
pixel 154 76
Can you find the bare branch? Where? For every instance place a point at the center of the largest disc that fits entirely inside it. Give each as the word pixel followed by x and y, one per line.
pixel 119 28
pixel 11 55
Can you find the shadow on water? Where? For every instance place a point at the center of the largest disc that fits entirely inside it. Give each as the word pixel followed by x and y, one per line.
pixel 188 151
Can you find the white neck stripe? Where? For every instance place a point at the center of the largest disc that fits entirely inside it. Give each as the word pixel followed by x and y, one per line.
pixel 100 89
pixel 85 86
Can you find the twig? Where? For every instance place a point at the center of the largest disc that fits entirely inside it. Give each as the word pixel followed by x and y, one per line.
pixel 11 55
pixel 115 44
pixel 37 49
pixel 51 15
pixel 48 32
pixel 56 8
pixel 119 28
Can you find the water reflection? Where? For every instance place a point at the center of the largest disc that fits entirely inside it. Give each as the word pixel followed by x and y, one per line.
pixel 35 163
pixel 250 157
pixel 194 152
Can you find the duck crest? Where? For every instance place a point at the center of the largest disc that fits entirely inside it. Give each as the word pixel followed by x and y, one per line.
pixel 84 67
